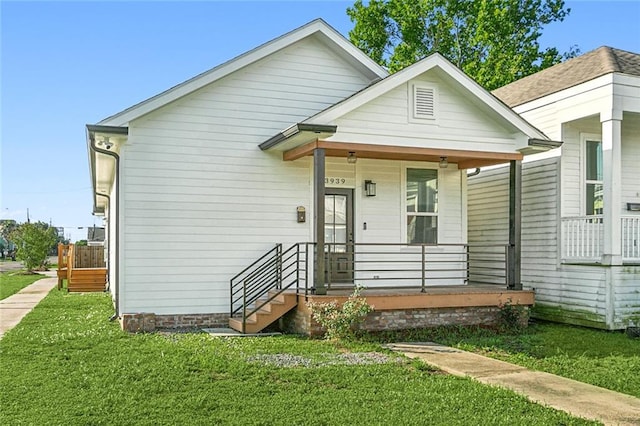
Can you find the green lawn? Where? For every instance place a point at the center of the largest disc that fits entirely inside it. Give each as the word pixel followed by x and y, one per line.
pixel 67 364
pixel 12 282
pixel 603 358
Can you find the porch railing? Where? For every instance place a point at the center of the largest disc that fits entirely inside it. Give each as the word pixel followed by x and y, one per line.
pixel 274 272
pixel 392 265
pixel 631 238
pixel 583 238
pixel 372 265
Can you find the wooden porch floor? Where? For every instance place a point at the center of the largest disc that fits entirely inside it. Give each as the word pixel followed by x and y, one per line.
pixel 444 296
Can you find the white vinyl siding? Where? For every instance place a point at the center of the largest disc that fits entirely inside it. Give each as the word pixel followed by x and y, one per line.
pixel 460 125
pixel 566 286
pixel 201 200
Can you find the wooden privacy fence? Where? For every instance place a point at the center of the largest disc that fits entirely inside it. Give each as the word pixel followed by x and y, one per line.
pixel 83 267
pixel 89 257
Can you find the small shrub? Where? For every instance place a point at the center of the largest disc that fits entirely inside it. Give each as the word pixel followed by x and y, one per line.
pixel 340 322
pixel 512 317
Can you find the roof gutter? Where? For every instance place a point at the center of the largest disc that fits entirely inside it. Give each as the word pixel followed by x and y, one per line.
pixel 544 143
pixel 294 130
pixel 91 132
pixel 92 129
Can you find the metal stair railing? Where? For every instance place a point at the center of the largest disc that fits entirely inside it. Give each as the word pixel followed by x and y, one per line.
pixel 265 279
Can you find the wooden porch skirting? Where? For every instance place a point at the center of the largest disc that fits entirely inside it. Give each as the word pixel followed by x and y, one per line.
pixel 87 280
pixel 408 309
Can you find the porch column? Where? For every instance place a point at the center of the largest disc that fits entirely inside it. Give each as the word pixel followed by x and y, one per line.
pixel 318 219
pixel 515 220
pixel 612 182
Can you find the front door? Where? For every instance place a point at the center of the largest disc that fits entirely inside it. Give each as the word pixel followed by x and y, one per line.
pixel 338 235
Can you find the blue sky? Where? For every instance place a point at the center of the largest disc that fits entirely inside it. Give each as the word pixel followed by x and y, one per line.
pixel 66 64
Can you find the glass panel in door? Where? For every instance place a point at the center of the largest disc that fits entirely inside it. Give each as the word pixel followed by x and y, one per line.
pixel 338 234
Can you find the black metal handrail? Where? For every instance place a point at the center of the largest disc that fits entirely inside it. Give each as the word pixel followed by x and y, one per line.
pixel 277 271
pixel 269 276
pixel 436 263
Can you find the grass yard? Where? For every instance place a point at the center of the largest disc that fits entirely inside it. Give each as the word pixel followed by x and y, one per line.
pixel 12 282
pixel 603 358
pixel 66 364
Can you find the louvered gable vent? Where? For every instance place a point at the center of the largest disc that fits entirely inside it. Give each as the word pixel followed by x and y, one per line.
pixel 424 102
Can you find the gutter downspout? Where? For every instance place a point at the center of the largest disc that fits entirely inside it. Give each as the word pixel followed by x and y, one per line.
pixel 116 158
pixel 109 228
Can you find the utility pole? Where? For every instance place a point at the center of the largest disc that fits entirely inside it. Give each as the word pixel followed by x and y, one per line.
pixel 28 221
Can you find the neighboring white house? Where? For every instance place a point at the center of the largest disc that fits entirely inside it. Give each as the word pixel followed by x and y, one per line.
pixel 303 139
pixel 581 207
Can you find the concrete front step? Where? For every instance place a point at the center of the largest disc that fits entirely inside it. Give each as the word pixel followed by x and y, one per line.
pixel 267 315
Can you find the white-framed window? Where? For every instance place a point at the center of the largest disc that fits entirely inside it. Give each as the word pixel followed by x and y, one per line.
pixel 421 204
pixel 423 102
pixel 592 186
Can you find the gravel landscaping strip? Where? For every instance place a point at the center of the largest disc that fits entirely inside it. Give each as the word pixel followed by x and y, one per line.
pixel 355 358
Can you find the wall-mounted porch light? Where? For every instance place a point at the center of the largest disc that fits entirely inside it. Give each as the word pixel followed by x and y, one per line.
pixel 444 163
pixel 370 188
pixel 351 157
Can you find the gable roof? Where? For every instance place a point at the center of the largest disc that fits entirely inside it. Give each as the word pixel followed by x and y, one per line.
pixel 318 28
pixel 598 62
pixel 433 61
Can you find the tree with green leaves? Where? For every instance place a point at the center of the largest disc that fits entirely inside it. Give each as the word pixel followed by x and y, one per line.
pixel 493 41
pixel 33 242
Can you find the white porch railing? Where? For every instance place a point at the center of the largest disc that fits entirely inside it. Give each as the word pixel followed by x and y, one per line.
pixel 583 238
pixel 631 238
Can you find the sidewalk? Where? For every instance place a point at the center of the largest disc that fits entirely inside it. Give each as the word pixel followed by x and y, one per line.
pixel 577 398
pixel 15 307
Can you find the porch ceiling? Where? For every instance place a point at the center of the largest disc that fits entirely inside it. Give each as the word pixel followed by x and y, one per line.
pixel 464 159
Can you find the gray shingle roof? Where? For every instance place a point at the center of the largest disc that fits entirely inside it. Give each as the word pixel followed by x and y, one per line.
pixel 598 62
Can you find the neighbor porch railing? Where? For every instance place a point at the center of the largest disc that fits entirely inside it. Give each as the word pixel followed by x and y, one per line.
pixel 631 238
pixel 583 238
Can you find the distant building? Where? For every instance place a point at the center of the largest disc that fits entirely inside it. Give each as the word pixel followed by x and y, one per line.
pixel 95 235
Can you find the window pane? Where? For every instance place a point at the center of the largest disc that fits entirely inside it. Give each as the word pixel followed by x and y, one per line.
pixel 422 229
pixel 594 198
pixel 329 208
pixel 594 160
pixel 329 234
pixel 422 191
pixel 340 211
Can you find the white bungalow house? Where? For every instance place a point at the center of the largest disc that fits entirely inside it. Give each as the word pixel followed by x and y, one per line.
pixel 581 206
pixel 226 194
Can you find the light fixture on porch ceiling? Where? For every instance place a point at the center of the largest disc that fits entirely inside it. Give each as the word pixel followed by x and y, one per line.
pixel 444 162
pixel 351 157
pixel 370 188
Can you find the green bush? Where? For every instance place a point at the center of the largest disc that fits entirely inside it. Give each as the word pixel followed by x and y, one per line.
pixel 513 318
pixel 341 322
pixel 34 241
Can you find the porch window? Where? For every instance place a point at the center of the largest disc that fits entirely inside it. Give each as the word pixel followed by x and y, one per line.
pixel 422 206
pixel 593 181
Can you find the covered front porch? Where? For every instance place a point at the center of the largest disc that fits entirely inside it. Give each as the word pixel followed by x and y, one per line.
pixel 388 204
pixel 421 286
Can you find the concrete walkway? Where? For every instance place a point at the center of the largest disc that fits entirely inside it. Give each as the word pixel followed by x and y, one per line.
pixel 577 398
pixel 15 307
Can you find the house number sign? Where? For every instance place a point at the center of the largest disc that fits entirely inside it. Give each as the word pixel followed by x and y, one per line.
pixel 339 182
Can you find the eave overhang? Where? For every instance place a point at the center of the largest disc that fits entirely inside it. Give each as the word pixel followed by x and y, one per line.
pixel 103 142
pixel 298 134
pixel 463 159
